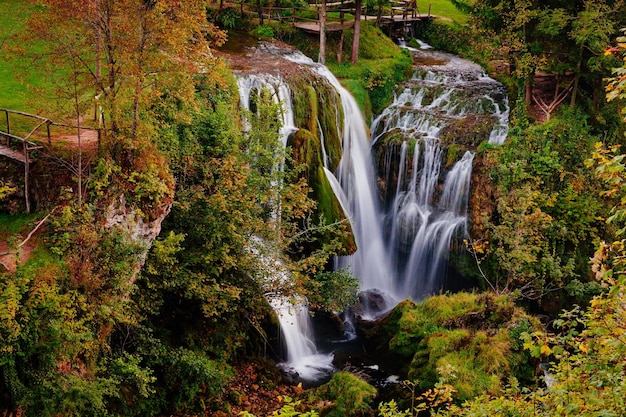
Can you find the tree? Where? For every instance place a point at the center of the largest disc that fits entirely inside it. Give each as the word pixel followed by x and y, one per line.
pixel 322 23
pixel 564 38
pixel 357 31
pixel 147 49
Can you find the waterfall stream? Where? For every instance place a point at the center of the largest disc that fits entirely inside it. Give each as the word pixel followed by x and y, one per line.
pixel 405 227
pixel 427 207
pixel 292 312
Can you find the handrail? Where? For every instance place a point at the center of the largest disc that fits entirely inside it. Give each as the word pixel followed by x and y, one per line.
pixel 21 113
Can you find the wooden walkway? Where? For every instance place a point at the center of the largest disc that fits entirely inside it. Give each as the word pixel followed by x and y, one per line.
pixel 10 147
pixel 405 11
pixel 12 154
pixel 314 27
pixel 20 148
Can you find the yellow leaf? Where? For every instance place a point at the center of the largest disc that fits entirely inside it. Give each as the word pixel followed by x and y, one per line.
pixel 545 350
pixel 583 348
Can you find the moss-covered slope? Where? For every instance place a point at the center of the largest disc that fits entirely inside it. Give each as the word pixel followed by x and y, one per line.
pixel 472 341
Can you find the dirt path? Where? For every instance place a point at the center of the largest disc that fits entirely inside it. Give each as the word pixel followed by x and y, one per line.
pixel 10 258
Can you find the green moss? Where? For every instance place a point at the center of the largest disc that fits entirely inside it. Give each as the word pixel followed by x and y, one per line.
pixel 304 104
pixel 307 151
pixel 349 395
pixel 317 106
pixel 469 131
pixel 10 223
pixel 470 340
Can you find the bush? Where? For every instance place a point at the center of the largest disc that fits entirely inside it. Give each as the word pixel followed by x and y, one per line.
pixel 476 336
pixel 228 18
pixel 350 395
pixel 263 31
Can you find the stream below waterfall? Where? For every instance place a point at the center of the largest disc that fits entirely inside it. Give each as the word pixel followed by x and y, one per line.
pixel 405 187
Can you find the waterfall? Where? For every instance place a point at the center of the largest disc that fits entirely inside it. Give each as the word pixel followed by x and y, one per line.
pixel 426 209
pixel 281 95
pixel 356 175
pixel 405 229
pixel 292 312
pixel 403 237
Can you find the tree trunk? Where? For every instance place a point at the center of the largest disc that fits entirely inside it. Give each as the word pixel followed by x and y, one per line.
pixel 340 49
pixel 322 55
pixel 260 11
pixel 528 86
pixel 357 31
pixel 579 66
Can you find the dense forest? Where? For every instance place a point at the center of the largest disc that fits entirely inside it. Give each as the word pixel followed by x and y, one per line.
pixel 137 255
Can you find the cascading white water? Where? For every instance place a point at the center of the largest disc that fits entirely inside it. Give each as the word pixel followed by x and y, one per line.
pixel 292 312
pixel 281 95
pixel 402 247
pixel 297 331
pixel 403 232
pixel 356 175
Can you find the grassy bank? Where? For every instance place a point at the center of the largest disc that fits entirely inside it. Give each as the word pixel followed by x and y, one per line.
pixel 17 80
pixel 442 8
pixel 381 65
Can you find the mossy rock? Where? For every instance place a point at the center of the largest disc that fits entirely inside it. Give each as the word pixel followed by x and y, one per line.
pixel 472 341
pixel 317 106
pixel 347 394
pixel 469 131
pixel 307 151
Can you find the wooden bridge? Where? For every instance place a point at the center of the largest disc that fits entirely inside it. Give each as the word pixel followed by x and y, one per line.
pixel 24 142
pixel 16 147
pixel 340 15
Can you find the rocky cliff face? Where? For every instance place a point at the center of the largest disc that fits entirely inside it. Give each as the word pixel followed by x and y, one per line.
pixel 132 222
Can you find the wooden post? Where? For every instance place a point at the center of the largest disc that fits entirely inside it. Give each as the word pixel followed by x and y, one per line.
pixel 6 112
pixel 48 130
pixel 26 168
pixel 357 32
pixel 322 23
pixel 340 51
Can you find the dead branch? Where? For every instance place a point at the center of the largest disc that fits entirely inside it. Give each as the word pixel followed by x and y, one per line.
pixel 32 232
pixel 559 97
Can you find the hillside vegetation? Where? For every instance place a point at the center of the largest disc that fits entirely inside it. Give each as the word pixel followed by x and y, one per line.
pixel 142 294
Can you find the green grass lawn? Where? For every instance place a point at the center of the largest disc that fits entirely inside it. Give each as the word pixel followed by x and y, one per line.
pixel 443 8
pixel 16 80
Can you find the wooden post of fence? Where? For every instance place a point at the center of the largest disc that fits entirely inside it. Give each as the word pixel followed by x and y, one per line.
pixel 341 22
pixel 293 16
pixel 48 131
pixel 6 112
pixel 322 23
pixel 26 169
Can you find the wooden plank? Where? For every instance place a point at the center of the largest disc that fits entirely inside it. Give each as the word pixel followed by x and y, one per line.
pixel 12 154
pixel 21 113
pixel 337 3
pixel 314 27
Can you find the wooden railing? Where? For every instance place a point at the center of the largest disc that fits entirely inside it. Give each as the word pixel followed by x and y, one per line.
pixel 18 145
pixel 298 14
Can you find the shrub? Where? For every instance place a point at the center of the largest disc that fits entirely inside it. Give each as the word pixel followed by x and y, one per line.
pixel 229 18
pixel 350 395
pixel 263 31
